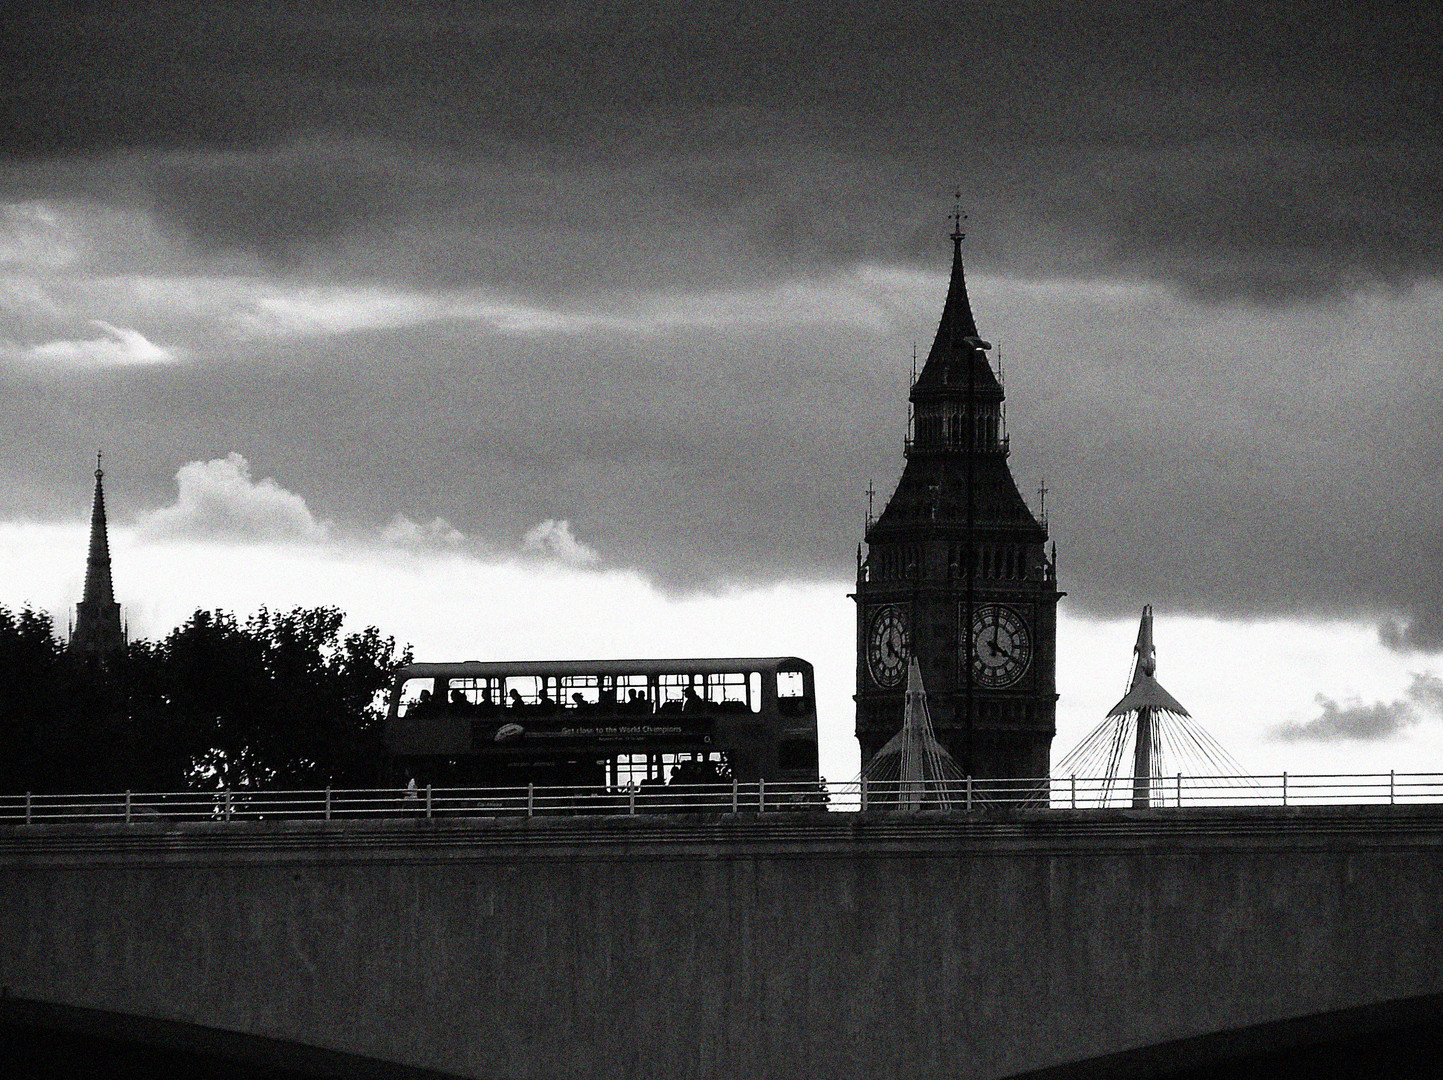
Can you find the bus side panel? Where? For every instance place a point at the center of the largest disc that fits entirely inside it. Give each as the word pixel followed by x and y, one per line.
pixel 445 735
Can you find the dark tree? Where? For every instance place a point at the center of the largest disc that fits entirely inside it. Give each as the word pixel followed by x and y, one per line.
pixel 215 695
pixel 283 700
pixel 33 674
pixel 65 722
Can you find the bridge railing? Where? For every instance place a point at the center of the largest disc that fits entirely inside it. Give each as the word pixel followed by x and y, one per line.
pixel 1282 789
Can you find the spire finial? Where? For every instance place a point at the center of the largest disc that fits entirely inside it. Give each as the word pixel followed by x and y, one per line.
pixel 98 472
pixel 957 217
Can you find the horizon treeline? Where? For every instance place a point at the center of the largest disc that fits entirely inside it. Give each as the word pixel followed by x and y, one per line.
pixel 281 700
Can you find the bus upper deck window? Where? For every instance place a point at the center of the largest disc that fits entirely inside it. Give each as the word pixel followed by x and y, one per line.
pixel 754 691
pixel 791 693
pixel 416 697
pixel 790 684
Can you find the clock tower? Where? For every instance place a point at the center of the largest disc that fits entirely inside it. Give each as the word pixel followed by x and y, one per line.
pixel 955 572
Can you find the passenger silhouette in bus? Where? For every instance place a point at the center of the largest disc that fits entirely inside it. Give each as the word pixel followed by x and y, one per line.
pixel 423 702
pixel 690 701
pixel 487 705
pixel 578 701
pixel 459 702
pixel 516 702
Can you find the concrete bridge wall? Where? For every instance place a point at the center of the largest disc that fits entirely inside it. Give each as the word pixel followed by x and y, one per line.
pixel 835 946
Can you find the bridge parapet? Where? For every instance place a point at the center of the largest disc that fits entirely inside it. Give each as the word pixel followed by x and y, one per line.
pixel 800 944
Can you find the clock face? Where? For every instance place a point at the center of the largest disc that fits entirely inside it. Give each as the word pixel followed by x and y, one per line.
pixel 887 646
pixel 1001 646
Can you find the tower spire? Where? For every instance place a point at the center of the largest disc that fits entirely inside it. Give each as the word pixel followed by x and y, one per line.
pixel 957 324
pixel 957 398
pixel 98 634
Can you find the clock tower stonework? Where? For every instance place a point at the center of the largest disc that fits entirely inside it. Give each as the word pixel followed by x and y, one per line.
pixel 956 573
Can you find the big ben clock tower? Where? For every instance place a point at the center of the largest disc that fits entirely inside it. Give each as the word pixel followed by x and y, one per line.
pixel 956 573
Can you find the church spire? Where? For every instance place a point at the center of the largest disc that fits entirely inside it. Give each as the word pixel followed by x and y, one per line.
pixel 98 634
pixel 98 588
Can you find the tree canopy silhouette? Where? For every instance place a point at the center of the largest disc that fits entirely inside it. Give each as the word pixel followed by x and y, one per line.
pixel 284 699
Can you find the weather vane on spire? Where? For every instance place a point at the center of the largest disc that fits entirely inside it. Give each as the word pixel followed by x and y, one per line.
pixel 957 216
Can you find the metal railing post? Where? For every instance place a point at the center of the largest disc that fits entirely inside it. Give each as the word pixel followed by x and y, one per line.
pixel 530 799
pixel 127 806
pixel 227 804
pixel 631 800
pixel 1390 786
pixel 735 800
pixel 27 808
pixel 1074 791
pixel 862 797
pixel 1285 789
pixel 428 800
pixel 1179 789
pixel 328 802
pixel 761 796
pixel 969 792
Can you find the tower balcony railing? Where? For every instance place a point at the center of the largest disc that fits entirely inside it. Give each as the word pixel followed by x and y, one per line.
pixel 963 794
pixel 911 443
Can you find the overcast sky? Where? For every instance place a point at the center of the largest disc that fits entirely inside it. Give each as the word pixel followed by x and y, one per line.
pixel 638 289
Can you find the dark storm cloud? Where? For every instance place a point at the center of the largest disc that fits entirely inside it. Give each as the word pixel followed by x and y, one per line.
pixel 1270 152
pixel 1355 721
pixel 276 206
pixel 1206 464
pixel 1422 633
pixel 1279 163
pixel 1250 465
pixel 1375 721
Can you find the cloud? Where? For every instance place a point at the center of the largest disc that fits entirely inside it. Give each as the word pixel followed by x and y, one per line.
pixel 218 499
pixel 1352 720
pixel 1427 692
pixel 33 234
pixel 1423 632
pixel 1207 460
pixel 668 275
pixel 437 534
pixel 1370 723
pixel 120 348
pixel 338 310
pixel 1226 151
pixel 277 205
pixel 553 540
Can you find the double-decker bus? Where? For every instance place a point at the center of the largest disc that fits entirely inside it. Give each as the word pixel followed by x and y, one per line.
pixel 619 724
